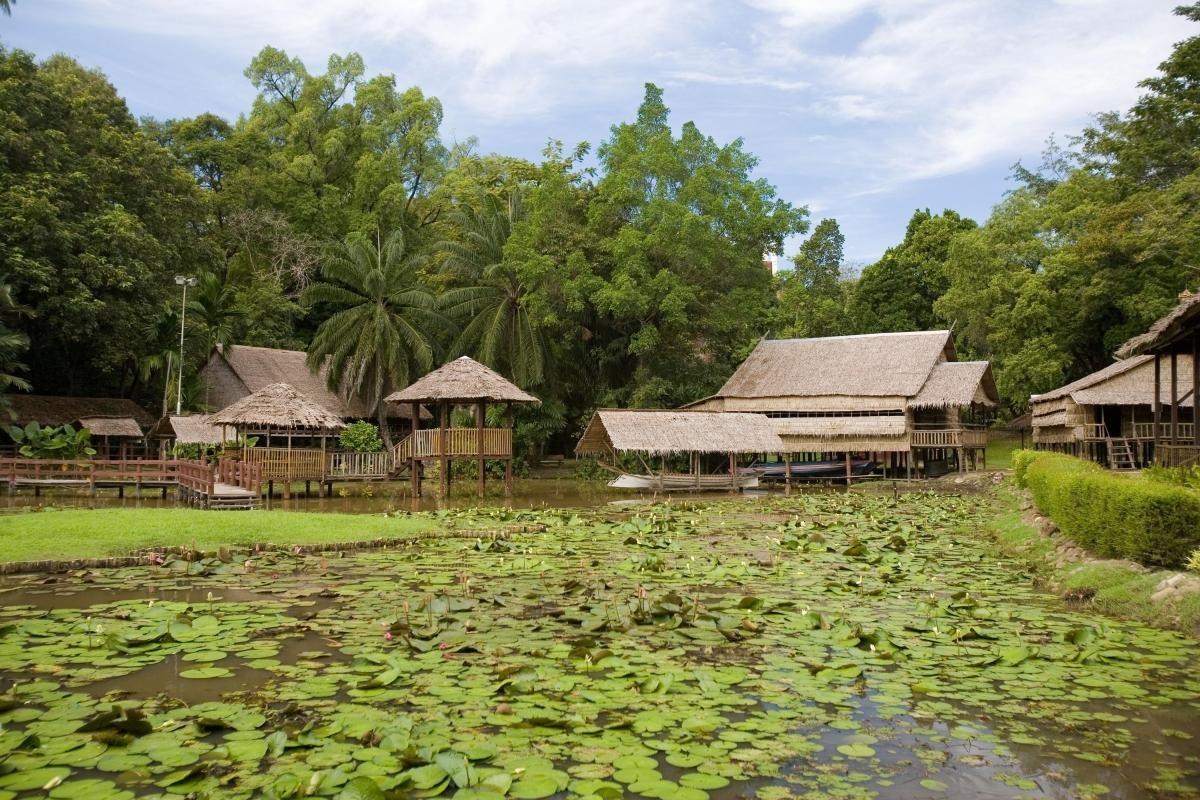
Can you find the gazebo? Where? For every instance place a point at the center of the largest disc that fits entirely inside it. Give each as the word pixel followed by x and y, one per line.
pixel 463 382
pixel 279 411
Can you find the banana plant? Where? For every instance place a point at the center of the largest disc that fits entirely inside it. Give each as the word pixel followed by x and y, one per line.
pixel 65 442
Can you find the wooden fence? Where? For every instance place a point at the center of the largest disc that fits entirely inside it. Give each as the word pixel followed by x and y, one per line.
pixel 460 443
pixel 242 474
pixel 949 437
pixel 1145 430
pixel 359 465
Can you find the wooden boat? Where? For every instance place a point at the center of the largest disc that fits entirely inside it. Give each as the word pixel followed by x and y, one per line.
pixel 812 469
pixel 682 482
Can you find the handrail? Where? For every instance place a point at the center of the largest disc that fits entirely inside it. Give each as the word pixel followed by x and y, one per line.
pixel 460 443
pixel 1145 430
pixel 949 437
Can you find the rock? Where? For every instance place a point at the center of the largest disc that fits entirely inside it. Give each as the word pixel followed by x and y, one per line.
pixel 1175 586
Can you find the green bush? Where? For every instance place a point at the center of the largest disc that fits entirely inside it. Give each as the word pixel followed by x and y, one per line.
pixel 361 437
pixel 1021 459
pixel 1115 515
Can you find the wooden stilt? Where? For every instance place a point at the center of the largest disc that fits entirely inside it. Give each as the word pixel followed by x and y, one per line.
pixel 787 473
pixel 733 476
pixel 848 468
pixel 480 411
pixel 1174 397
pixel 414 476
pixel 508 466
pixel 444 462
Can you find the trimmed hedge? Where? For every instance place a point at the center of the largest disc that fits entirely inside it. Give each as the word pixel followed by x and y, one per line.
pixel 1118 516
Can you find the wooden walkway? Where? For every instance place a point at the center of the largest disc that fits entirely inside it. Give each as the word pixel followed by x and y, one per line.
pixel 228 485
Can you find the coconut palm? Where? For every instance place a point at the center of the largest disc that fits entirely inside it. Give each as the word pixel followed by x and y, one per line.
pixel 497 329
pixel 380 336
pixel 212 303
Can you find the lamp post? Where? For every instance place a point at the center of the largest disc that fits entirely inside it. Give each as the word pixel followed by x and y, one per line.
pixel 185 282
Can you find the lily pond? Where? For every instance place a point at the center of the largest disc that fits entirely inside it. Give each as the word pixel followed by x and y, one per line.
pixel 818 646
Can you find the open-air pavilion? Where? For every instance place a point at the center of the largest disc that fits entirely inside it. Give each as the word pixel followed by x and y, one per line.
pixel 663 434
pixel 278 415
pixel 462 382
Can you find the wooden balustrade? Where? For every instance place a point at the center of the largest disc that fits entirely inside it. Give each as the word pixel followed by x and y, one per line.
pixel 287 464
pixel 359 465
pixel 1176 455
pixel 1145 430
pixel 243 474
pixel 949 437
pixel 460 443
pixel 196 476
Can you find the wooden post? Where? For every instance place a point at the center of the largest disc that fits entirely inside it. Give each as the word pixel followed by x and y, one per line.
pixel 1157 401
pixel 443 433
pixel 508 469
pixel 480 412
pixel 733 476
pixel 787 473
pixel 414 477
pixel 696 471
pixel 848 469
pixel 1174 397
pixel 1196 389
pixel 908 464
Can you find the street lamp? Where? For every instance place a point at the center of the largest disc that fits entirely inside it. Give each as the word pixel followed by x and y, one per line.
pixel 185 282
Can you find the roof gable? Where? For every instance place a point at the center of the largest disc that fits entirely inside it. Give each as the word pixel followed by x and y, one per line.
pixel 869 365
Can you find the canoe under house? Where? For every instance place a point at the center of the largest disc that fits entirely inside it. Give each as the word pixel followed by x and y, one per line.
pixel 710 441
pixel 1109 416
pixel 898 401
pixel 1173 342
pixel 463 382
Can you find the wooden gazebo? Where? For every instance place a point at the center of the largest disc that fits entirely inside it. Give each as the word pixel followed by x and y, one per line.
pixel 276 412
pixel 463 382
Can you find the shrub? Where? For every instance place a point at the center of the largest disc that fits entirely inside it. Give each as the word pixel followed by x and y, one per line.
pixel 1021 460
pixel 1179 476
pixel 361 437
pixel 1115 515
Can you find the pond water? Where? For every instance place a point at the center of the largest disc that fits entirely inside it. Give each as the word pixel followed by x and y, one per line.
pixel 824 646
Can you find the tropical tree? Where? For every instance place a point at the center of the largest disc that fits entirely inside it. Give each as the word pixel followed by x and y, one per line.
pixel 379 335
pixel 214 304
pixel 13 344
pixel 497 326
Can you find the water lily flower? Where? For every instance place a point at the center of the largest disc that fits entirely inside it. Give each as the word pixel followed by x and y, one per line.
pixel 387 635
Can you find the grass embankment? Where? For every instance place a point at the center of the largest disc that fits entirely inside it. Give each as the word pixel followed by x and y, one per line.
pixel 1115 588
pixel 1000 449
pixel 100 533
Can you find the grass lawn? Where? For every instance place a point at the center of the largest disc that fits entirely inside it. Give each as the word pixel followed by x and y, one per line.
pixel 63 535
pixel 1000 450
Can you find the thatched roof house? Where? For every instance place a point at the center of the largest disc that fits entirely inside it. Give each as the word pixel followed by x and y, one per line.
pixel 1114 402
pixel 58 410
pixel 857 393
pixel 1176 326
pixel 235 371
pixel 191 429
pixel 462 381
pixel 277 406
pixel 659 433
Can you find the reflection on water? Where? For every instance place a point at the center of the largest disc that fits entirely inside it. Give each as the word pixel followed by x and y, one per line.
pixel 369 498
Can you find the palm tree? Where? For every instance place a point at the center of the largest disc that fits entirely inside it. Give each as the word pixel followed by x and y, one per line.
pixel 213 303
pixel 6 6
pixel 163 335
pixel 497 329
pixel 379 338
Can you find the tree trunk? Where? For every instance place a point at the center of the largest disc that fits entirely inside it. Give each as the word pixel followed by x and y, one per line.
pixel 381 416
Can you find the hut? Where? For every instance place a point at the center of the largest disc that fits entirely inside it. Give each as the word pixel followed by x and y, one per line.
pixel 462 382
pixel 117 424
pixel 1173 342
pixel 277 414
pixel 665 433
pixel 233 372
pixel 900 398
pixel 190 429
pixel 1107 416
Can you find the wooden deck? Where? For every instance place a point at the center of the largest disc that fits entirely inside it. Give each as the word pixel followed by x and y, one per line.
pixel 229 484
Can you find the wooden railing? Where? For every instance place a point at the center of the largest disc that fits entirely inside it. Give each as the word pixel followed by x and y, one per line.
pixel 359 465
pixel 46 469
pixel 1145 430
pixel 195 475
pixel 1176 455
pixel 1094 430
pixel 460 442
pixel 949 437
pixel 289 464
pixel 243 474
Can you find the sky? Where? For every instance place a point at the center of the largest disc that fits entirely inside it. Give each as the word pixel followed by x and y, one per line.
pixel 861 110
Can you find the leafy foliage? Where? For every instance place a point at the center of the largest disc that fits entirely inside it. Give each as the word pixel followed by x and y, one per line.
pixel 57 442
pixel 361 437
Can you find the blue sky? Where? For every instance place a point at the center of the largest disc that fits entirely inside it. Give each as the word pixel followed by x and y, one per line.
pixel 860 109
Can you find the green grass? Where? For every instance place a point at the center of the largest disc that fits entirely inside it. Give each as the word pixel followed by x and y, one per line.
pixel 1114 589
pixel 72 534
pixel 1000 450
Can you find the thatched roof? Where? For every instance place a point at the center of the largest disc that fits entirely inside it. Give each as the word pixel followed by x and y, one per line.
pixel 56 410
pixel 190 429
pixel 840 427
pixel 463 380
pixel 1123 383
pixel 259 367
pixel 1172 327
pixel 957 384
pixel 874 365
pixel 277 406
pixel 666 432
pixel 111 426
pixel 1020 423
pixel 1052 419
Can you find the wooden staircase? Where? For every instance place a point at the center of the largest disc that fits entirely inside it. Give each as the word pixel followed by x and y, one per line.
pixel 1121 456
